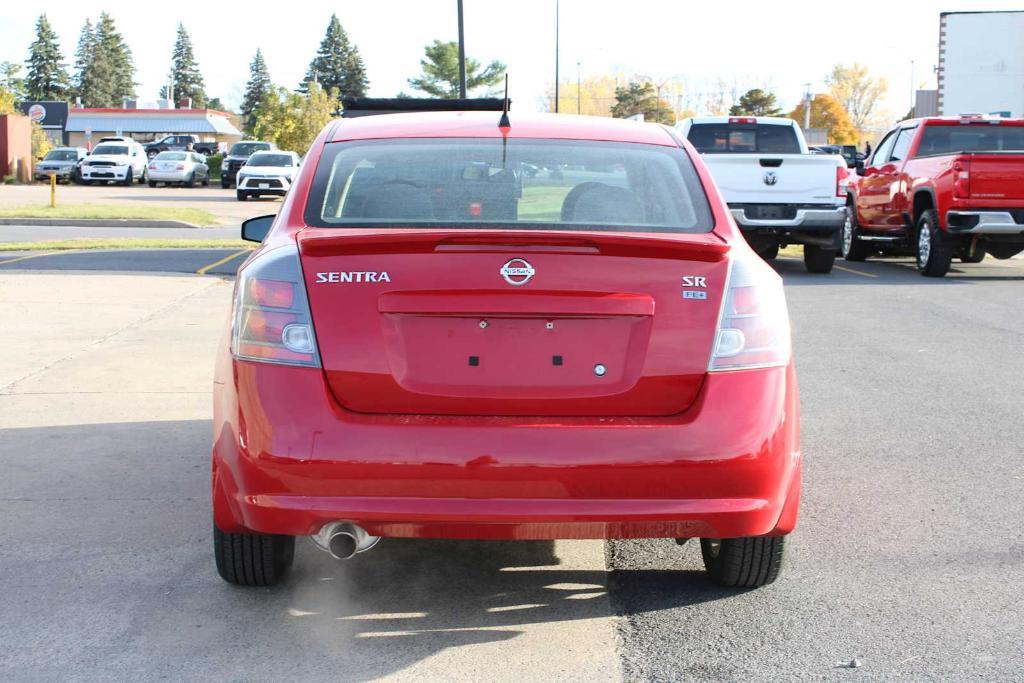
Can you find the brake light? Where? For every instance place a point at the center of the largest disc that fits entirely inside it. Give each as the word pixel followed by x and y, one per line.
pixel 742 119
pixel 152 167
pixel 842 180
pixel 753 329
pixel 961 179
pixel 272 322
pixel 179 167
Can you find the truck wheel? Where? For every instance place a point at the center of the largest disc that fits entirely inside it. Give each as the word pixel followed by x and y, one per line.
pixel 241 195
pixel 252 559
pixel 934 256
pixel 853 248
pixel 977 256
pixel 224 184
pixel 127 178
pixel 819 259
pixel 152 183
pixel 152 153
pixel 769 253
pixel 748 562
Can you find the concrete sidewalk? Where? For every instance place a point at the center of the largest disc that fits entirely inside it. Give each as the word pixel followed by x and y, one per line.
pixel 107 567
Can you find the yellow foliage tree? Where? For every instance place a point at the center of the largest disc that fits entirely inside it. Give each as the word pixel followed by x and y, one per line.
pixel 292 120
pixel 828 114
pixel 596 96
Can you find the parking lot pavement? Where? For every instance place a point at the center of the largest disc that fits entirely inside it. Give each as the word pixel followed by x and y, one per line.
pixel 202 261
pixel 106 569
pixel 38 233
pixel 221 203
pixel 909 556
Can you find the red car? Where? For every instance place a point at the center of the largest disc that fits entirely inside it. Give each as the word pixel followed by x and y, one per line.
pixel 938 188
pixel 551 329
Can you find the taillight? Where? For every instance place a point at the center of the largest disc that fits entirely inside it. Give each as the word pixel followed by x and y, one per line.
pixel 961 179
pixel 842 180
pixel 753 330
pixel 742 119
pixel 272 323
pixel 152 167
pixel 179 167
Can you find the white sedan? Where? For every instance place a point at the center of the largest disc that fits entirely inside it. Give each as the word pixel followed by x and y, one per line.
pixel 186 168
pixel 267 173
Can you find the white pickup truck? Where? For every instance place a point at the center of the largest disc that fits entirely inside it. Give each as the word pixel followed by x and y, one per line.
pixel 778 192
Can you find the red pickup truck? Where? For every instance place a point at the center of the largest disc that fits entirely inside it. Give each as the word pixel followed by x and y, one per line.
pixel 939 188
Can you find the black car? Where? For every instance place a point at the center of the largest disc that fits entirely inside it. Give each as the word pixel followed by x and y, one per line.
pixel 848 152
pixel 236 158
pixel 180 143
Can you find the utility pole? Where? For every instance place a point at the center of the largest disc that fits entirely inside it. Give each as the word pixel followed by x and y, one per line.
pixel 578 88
pixel 808 98
pixel 556 55
pixel 462 56
pixel 913 92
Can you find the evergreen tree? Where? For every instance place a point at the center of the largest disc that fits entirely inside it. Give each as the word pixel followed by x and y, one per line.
pixel 756 102
pixel 440 76
pixel 642 98
pixel 107 76
pixel 337 65
pixel 47 78
pixel 186 80
pixel 255 90
pixel 80 85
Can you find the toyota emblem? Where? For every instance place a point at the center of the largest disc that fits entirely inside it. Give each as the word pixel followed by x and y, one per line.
pixel 770 178
pixel 517 272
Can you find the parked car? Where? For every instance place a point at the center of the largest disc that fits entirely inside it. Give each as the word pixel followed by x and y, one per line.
pixel 117 161
pixel 267 173
pixel 777 191
pixel 941 187
pixel 62 162
pixel 428 343
pixel 236 158
pixel 184 168
pixel 848 152
pixel 180 143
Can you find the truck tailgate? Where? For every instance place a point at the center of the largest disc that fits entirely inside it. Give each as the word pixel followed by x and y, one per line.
pixel 996 176
pixel 775 178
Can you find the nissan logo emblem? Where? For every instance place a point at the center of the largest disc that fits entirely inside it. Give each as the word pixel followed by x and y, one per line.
pixel 517 272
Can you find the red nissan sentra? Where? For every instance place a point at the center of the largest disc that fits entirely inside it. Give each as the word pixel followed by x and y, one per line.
pixel 551 329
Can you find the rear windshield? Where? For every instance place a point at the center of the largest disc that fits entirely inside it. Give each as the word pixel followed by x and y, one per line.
pixel 743 138
pixel 171 156
pixel 110 149
pixel 61 155
pixel 244 149
pixel 519 184
pixel 270 159
pixel 973 137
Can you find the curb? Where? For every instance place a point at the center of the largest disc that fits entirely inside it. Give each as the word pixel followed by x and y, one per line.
pixel 101 222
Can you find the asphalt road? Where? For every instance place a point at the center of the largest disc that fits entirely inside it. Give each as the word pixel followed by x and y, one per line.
pixel 909 556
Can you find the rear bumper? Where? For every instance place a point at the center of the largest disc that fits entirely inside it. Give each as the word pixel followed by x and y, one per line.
pixel 287 460
pixel 983 223
pixel 825 219
pixel 168 176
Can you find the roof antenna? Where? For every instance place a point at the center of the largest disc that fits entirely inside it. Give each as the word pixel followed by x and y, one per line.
pixel 504 122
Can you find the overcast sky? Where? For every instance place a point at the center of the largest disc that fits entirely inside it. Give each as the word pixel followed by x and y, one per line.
pixel 748 44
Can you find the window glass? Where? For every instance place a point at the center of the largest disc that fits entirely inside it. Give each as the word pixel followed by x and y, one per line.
pixel 884 147
pixel 111 149
pixel 973 137
pixel 743 138
pixel 902 144
pixel 515 184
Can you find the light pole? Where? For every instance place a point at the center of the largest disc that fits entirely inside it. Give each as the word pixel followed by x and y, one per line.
pixel 578 88
pixel 462 56
pixel 556 55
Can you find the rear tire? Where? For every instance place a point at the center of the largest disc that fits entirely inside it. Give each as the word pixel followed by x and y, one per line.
pixel 819 259
pixel 769 253
pixel 934 257
pixel 252 559
pixel 976 257
pixel 152 183
pixel 852 247
pixel 241 196
pixel 748 562
pixel 191 182
pixel 127 178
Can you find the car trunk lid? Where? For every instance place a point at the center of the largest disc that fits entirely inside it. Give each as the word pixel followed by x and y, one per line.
pixel 514 323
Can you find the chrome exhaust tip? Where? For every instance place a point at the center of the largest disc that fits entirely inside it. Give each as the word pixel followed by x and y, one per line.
pixel 343 540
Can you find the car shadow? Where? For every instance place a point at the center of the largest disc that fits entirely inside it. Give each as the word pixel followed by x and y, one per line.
pixel 139 543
